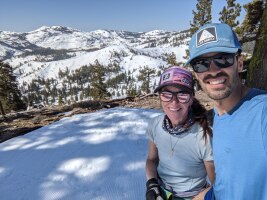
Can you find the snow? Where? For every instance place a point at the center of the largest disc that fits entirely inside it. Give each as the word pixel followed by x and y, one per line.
pixel 130 50
pixel 104 56
pixel 94 156
pixel 57 37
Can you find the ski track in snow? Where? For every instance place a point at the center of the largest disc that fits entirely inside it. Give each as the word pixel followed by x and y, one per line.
pixel 94 156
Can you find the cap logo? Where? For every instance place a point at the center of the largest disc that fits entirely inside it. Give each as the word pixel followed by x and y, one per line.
pixel 206 35
pixel 186 81
pixel 166 77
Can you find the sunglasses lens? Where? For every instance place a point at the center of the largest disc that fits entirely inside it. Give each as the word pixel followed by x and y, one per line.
pixel 165 96
pixel 221 60
pixel 183 97
pixel 200 65
pixel 225 60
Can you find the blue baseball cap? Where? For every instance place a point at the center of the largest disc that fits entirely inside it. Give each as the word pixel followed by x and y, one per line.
pixel 215 37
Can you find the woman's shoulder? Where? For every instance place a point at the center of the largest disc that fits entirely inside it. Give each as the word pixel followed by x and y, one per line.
pixel 158 118
pixel 196 127
pixel 197 130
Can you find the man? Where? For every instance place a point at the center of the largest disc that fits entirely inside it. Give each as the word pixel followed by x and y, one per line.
pixel 240 114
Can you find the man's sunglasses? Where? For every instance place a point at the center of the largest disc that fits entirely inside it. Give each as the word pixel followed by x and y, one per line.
pixel 181 96
pixel 221 60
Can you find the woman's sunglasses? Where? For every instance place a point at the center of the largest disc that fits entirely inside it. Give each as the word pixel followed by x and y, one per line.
pixel 181 96
pixel 221 60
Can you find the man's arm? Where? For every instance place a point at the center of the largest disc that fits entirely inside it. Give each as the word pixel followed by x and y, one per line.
pixel 209 165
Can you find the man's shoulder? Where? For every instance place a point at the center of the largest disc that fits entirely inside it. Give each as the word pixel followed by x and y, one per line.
pixel 257 96
pixel 260 94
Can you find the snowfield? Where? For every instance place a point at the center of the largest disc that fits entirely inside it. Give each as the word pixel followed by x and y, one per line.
pixel 94 156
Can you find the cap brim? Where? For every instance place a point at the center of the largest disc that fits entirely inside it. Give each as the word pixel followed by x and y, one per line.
pixel 184 88
pixel 211 50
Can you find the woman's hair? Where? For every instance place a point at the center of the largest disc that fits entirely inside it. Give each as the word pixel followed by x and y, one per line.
pixel 200 114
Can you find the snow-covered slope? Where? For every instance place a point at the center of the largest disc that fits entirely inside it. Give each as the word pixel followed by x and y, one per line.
pixel 43 52
pixel 96 156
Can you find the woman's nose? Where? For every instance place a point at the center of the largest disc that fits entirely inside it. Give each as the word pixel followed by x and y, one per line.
pixel 175 99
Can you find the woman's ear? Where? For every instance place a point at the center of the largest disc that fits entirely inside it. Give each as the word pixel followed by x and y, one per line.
pixel 191 101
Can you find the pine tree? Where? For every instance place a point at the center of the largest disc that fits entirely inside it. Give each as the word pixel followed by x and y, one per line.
pixel 60 100
pixel 76 97
pixel 131 89
pixel 81 96
pixel 98 86
pixel 248 30
pixel 118 94
pixel 145 75
pixel 171 59
pixel 230 13
pixel 10 96
pixel 2 109
pixel 257 70
pixel 201 16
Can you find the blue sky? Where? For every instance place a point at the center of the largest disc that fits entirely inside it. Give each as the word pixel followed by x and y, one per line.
pixel 89 15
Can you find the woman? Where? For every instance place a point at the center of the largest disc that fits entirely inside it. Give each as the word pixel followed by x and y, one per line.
pixel 179 152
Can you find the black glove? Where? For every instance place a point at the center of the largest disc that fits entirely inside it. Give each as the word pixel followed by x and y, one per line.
pixel 153 190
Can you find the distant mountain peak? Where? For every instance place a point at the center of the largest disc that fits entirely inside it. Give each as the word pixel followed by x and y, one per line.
pixel 54 28
pixel 155 32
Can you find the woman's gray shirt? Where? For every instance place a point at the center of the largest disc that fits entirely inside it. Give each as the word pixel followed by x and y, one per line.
pixel 183 169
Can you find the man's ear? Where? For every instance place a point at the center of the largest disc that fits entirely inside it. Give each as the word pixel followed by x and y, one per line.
pixel 195 77
pixel 240 63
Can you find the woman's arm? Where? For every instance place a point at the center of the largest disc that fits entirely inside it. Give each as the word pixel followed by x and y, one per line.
pixel 152 186
pixel 152 161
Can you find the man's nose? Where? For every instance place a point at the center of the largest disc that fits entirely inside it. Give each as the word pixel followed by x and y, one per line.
pixel 213 68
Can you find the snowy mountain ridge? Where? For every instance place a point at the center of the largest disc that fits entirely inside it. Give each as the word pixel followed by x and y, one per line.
pixel 46 51
pixel 60 37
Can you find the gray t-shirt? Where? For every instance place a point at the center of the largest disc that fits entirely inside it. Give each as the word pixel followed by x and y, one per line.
pixel 183 169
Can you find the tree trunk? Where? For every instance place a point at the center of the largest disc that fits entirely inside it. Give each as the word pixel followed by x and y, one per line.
pixel 2 109
pixel 257 70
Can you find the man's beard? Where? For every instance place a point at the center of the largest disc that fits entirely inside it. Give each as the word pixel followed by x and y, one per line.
pixel 218 94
